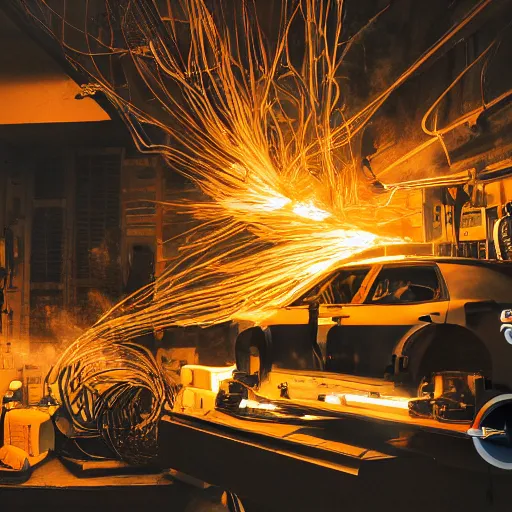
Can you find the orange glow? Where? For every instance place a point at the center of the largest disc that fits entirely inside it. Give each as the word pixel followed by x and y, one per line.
pixel 380 259
pixel 205 377
pixel 46 101
pixel 253 404
pixel 368 401
pixel 272 153
pixel 282 200
pixel 391 402
pixel 310 211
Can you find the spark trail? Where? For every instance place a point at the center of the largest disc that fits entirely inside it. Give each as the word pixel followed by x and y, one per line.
pixel 265 132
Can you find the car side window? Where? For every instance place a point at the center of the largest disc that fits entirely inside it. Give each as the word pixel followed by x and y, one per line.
pixel 339 288
pixel 405 285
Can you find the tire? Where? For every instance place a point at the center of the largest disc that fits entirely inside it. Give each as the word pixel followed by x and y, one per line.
pixel 454 349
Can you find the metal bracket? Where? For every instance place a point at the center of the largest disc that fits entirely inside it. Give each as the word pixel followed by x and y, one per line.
pixel 485 432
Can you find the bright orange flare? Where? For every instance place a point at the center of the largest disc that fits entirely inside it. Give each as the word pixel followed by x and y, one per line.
pixel 266 140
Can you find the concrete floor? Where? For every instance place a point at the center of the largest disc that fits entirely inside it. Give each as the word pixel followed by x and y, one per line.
pixel 52 487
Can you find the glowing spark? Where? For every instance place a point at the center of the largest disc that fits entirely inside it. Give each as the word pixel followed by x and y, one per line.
pixel 264 140
pixel 276 203
pixel 310 211
pixel 252 404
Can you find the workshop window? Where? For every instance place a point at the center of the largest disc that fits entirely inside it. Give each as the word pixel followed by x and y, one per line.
pixel 47 245
pixel 50 178
pixel 97 220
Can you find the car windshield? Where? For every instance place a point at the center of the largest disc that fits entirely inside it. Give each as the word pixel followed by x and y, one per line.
pixel 340 287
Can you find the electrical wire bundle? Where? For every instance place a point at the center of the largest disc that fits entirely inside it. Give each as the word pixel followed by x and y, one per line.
pixel 116 392
pixel 263 126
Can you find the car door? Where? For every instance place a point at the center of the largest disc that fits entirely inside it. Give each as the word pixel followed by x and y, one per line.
pixel 290 332
pixel 400 297
pixel 345 289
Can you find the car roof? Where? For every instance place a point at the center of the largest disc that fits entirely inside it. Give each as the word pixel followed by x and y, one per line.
pixel 497 264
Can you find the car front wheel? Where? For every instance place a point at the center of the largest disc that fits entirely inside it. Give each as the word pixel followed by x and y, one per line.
pixel 447 348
